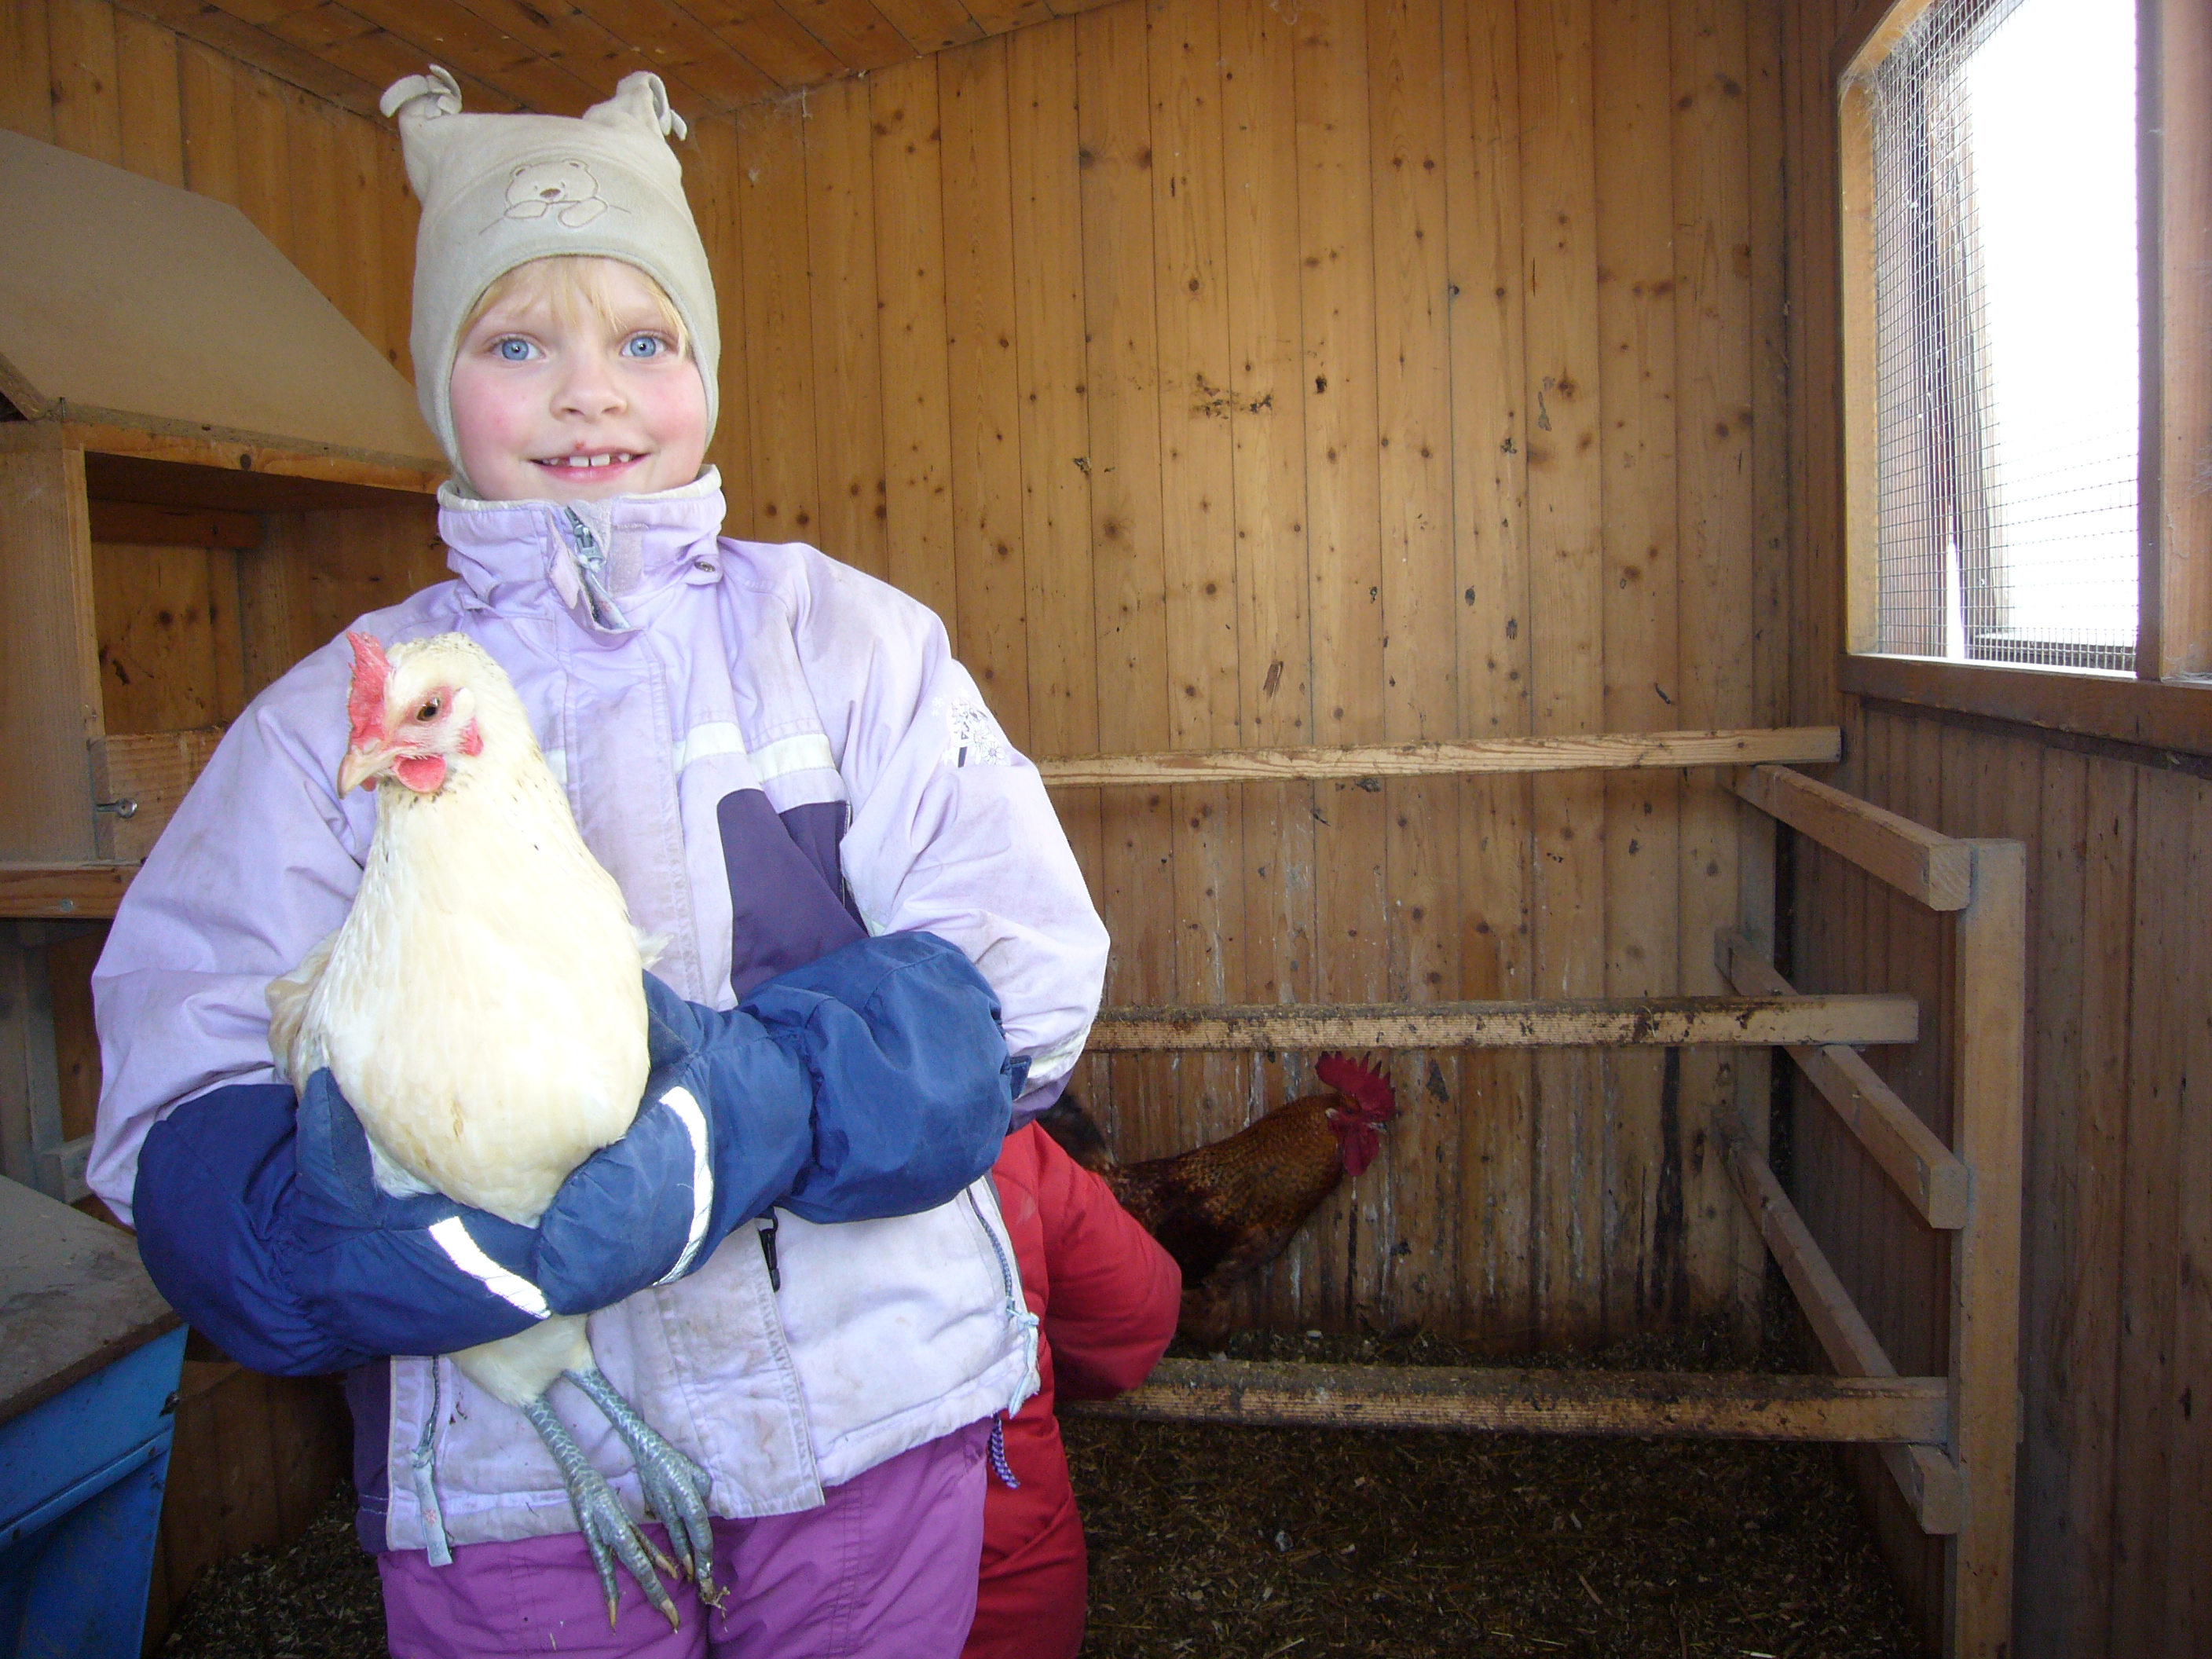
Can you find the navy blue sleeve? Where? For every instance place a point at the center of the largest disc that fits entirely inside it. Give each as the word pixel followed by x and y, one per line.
pixel 913 1085
pixel 873 1081
pixel 257 1220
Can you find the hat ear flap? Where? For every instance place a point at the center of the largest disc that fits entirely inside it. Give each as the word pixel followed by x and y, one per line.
pixel 640 97
pixel 420 100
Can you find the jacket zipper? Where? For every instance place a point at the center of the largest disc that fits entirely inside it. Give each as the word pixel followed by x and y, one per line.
pixel 1006 1276
pixel 591 571
pixel 587 544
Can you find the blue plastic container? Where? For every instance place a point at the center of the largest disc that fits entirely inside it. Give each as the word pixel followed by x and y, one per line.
pixel 81 1478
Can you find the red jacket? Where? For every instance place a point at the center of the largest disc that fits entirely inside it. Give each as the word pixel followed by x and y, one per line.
pixel 1108 1296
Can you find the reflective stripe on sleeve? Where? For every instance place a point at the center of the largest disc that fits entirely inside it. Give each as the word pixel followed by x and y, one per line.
pixel 679 1101
pixel 464 1252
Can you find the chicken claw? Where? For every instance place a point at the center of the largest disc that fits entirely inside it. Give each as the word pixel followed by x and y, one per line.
pixel 608 1530
pixel 675 1487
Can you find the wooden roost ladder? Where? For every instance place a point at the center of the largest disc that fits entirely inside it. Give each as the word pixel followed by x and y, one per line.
pixel 1949 1441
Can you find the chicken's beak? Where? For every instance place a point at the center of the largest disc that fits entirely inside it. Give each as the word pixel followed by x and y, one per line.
pixel 362 766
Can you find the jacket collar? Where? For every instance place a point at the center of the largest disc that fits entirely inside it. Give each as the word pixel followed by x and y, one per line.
pixel 604 563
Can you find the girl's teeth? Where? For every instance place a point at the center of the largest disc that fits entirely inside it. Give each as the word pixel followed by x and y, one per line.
pixel 596 460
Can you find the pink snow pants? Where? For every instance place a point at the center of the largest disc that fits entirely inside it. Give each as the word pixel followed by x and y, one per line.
pixel 886 1568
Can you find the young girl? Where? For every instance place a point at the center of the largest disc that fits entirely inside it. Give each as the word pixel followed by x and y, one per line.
pixel 777 758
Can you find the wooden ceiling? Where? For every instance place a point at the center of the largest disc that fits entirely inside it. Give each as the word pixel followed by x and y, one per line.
pixel 559 56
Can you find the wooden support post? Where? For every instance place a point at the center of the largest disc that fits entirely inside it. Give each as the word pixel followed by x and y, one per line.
pixel 1691 1405
pixel 1932 868
pixel 1754 1067
pixel 1929 1481
pixel 30 1098
pixel 50 701
pixel 1646 1022
pixel 1928 1173
pixel 1991 1000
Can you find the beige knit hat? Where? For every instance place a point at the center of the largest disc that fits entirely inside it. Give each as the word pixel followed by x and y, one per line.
pixel 500 191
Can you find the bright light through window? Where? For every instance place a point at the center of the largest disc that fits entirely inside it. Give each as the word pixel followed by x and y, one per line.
pixel 2004 157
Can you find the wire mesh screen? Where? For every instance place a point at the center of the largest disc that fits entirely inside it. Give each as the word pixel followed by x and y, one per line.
pixel 2002 148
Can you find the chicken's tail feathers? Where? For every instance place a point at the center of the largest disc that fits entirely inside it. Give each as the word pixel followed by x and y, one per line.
pixel 1367 1093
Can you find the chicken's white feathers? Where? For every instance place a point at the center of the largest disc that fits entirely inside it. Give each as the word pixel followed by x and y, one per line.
pixel 482 1005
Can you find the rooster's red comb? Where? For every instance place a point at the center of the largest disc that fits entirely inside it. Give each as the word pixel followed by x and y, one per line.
pixel 1371 1097
pixel 365 695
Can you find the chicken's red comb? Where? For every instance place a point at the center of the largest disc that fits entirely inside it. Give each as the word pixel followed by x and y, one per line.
pixel 365 695
pixel 1373 1100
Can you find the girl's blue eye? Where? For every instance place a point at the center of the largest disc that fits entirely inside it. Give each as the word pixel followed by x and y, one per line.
pixel 512 351
pixel 644 346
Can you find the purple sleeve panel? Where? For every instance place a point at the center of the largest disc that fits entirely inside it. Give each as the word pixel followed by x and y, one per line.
pixel 786 904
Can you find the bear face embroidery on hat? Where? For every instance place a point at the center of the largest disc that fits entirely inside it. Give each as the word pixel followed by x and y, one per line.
pixel 536 188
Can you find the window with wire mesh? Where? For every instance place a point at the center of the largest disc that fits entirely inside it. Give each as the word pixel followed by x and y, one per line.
pixel 2003 159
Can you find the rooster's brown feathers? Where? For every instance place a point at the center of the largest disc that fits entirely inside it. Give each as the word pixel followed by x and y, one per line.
pixel 1223 1210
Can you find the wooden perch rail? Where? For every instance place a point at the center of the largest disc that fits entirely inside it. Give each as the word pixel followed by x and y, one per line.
pixel 1660 1022
pixel 1929 1481
pixel 1926 1171
pixel 1934 869
pixel 1804 746
pixel 1739 1406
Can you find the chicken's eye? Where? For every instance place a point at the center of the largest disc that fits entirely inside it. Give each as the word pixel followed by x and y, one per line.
pixel 428 711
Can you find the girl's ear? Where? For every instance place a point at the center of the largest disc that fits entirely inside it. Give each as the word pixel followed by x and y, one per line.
pixel 420 101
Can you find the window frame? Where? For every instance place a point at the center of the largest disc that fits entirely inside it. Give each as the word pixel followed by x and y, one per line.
pixel 2168 702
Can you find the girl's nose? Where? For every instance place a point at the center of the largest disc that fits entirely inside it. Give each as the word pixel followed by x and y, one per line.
pixel 588 388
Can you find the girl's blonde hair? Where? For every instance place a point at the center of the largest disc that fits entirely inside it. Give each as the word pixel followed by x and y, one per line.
pixel 571 284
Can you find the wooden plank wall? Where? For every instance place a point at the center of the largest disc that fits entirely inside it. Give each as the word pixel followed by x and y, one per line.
pixel 2114 1510
pixel 1231 373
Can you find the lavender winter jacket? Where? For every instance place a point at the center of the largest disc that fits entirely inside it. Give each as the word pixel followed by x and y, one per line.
pixel 710 706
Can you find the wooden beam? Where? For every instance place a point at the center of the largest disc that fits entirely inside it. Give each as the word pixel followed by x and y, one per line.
pixel 106 433
pixel 1690 1405
pixel 1662 1022
pixel 1928 1173
pixel 1918 862
pixel 1804 746
pixel 1859 580
pixel 141 524
pixel 1930 1481
pixel 2174 209
pixel 1873 27
pixel 212 26
pixel 2177 716
pixel 70 891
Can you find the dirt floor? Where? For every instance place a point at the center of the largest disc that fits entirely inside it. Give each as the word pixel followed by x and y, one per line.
pixel 1277 1542
pixel 1286 1544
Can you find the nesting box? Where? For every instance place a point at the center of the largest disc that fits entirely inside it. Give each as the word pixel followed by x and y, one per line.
pixel 208 471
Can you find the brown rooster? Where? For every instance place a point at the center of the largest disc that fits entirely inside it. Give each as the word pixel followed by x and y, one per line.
pixel 1223 1210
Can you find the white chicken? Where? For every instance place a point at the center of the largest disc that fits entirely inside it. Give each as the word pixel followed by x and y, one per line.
pixel 481 1007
